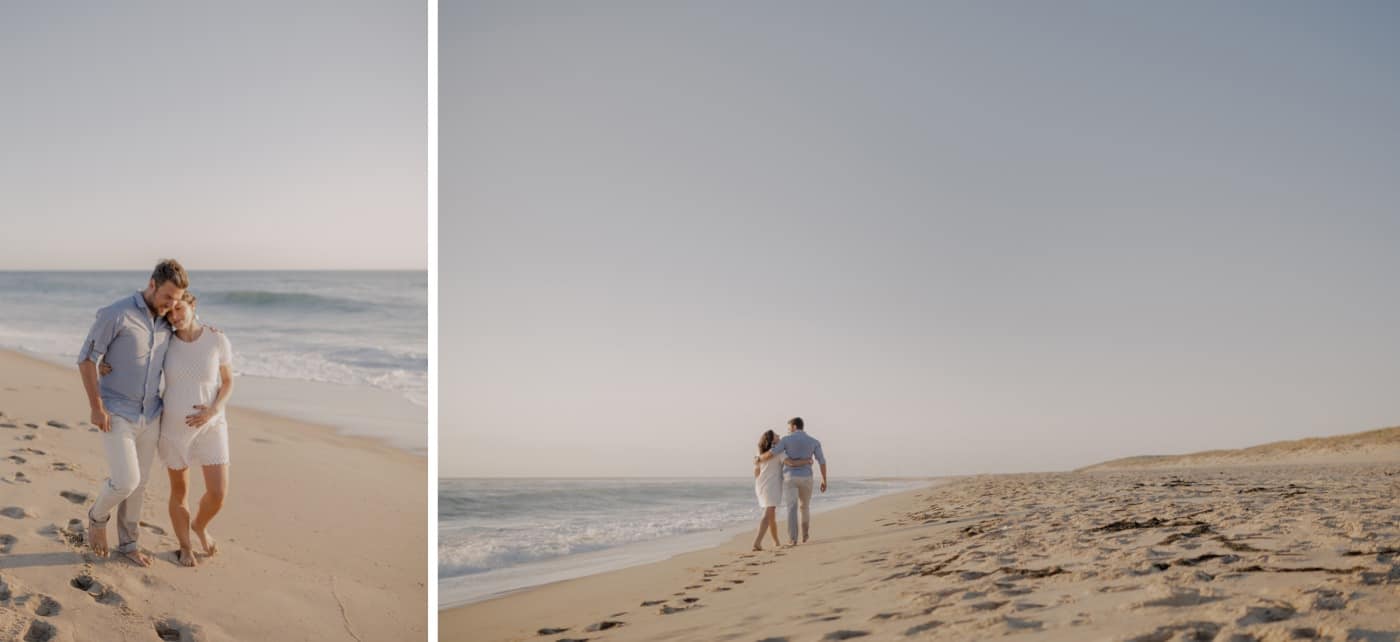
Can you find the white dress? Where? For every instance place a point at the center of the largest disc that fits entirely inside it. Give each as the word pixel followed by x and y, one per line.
pixel 769 484
pixel 192 379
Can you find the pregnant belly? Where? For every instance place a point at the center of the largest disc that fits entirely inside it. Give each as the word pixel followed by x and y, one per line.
pixel 183 399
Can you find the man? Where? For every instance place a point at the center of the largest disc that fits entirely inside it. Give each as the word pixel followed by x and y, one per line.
pixel 797 480
pixel 131 335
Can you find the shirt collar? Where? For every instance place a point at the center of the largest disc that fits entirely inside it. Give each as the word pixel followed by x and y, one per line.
pixel 140 302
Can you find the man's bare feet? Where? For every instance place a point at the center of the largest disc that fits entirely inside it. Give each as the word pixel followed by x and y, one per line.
pixel 206 539
pixel 97 539
pixel 186 557
pixel 137 557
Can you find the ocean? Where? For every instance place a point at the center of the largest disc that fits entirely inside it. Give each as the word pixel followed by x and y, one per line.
pixel 305 343
pixel 500 535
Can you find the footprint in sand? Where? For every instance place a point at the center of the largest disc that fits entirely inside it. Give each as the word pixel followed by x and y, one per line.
pixel 1272 612
pixel 7 543
pixel 551 631
pixel 99 592
pixel 920 628
pixel 1328 600
pixel 844 635
pixel 1197 630
pixel 44 606
pixel 61 466
pixel 1021 624
pixel 15 512
pixel 27 437
pixel 17 459
pixel 653 602
pixel 34 451
pixel 54 423
pixel 41 631
pixel 72 534
pixel 604 625
pixel 174 630
pixel 153 528
pixel 74 496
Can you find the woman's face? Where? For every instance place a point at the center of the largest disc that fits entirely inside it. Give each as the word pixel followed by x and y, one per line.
pixel 180 316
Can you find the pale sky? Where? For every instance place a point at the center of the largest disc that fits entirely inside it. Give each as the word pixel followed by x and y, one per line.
pixel 954 237
pixel 233 135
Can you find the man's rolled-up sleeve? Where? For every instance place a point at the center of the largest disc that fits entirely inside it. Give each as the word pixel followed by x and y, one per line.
pixel 821 459
pixel 99 338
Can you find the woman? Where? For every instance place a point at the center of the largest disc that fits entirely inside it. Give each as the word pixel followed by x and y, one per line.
pixel 768 485
pixel 198 373
pixel 198 380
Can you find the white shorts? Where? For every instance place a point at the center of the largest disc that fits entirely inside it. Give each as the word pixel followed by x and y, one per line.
pixel 181 446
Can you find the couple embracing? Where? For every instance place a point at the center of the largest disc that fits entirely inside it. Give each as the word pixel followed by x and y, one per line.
pixel 161 386
pixel 782 473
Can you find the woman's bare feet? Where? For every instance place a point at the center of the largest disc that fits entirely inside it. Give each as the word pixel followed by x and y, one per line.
pixel 211 547
pixel 186 557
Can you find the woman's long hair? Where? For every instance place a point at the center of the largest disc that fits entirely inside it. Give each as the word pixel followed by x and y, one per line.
pixel 765 443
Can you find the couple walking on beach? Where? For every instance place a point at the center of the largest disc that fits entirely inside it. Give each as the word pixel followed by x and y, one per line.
pixel 157 380
pixel 783 471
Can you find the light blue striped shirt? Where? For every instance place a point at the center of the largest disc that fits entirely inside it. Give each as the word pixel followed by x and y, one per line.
pixel 133 341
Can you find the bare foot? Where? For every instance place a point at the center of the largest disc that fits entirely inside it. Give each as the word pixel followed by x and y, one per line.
pixel 187 558
pixel 757 548
pixel 137 557
pixel 211 548
pixel 97 539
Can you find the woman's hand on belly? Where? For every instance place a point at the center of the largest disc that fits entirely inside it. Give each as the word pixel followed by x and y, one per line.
pixel 201 416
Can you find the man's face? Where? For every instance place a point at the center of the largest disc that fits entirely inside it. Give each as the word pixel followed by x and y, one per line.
pixel 166 296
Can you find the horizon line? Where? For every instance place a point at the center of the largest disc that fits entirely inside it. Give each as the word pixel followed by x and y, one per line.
pixel 219 269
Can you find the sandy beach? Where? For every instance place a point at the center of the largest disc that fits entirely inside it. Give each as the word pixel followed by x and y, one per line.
pixel 322 536
pixel 1298 540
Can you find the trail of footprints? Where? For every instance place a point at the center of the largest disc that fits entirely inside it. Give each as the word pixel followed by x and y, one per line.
pixel 28 616
pixel 745 564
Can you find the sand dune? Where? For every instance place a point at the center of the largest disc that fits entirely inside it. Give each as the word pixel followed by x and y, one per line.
pixel 1370 446
pixel 322 537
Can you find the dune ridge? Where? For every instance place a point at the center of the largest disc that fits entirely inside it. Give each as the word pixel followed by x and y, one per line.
pixel 1378 445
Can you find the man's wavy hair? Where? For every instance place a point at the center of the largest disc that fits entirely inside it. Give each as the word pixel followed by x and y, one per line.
pixel 170 271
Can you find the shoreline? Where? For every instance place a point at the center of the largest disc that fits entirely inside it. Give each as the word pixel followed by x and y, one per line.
pixel 379 415
pixel 321 535
pixel 457 591
pixel 502 617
